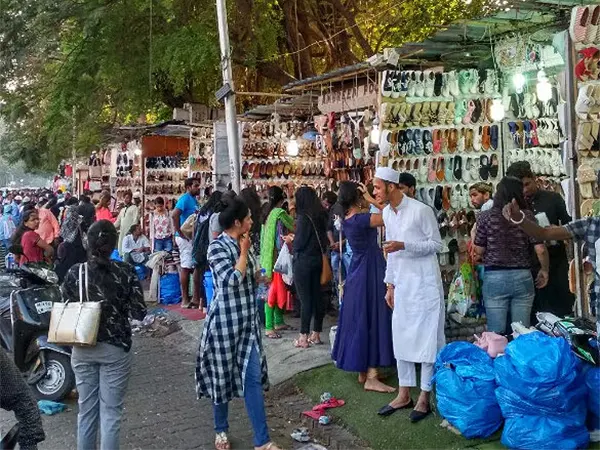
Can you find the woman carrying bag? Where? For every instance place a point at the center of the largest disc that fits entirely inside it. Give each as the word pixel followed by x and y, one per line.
pixel 102 371
pixel 311 264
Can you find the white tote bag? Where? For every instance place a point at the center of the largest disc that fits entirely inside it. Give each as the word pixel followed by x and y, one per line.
pixel 76 323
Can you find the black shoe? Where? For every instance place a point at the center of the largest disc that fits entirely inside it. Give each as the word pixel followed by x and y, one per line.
pixel 417 416
pixel 388 410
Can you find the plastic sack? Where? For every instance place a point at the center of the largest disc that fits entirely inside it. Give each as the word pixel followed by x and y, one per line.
pixel 283 265
pixel 592 381
pixel 541 388
pixel 491 342
pixel 170 289
pixel 544 433
pixel 465 386
pixel 49 408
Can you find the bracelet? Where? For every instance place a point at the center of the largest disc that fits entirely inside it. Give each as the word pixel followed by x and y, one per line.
pixel 520 221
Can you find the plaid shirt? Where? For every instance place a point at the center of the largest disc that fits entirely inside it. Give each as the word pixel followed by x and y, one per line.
pixel 588 231
pixel 231 328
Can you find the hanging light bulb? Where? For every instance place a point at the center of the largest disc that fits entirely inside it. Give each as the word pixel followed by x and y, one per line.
pixel 543 88
pixel 292 146
pixel 497 110
pixel 518 80
pixel 375 132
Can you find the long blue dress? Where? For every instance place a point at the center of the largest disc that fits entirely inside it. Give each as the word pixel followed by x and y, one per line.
pixel 364 334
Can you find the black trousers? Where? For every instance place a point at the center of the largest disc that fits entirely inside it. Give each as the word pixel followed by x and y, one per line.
pixel 556 297
pixel 307 280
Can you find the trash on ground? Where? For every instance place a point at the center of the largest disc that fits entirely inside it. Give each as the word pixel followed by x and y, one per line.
pixel 300 435
pixel 50 408
pixel 324 420
pixel 158 323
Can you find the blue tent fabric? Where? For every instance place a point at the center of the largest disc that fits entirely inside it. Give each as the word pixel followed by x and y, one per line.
pixel 465 390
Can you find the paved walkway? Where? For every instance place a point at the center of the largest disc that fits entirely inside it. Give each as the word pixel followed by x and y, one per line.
pixel 161 410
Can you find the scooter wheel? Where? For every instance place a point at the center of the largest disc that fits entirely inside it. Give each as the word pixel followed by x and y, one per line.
pixel 59 379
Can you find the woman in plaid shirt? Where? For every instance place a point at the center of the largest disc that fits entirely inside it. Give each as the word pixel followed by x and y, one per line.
pixel 231 362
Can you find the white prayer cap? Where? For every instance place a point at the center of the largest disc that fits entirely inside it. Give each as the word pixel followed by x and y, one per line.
pixel 387 174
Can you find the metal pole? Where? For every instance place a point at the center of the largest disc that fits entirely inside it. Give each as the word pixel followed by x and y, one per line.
pixel 74 189
pixel 230 113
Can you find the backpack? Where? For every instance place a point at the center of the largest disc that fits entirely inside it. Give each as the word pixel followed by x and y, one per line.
pixel 201 241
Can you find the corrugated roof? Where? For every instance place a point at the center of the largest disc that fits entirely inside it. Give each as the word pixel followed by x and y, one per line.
pixel 470 40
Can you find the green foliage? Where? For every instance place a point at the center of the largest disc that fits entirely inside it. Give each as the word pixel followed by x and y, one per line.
pixel 98 63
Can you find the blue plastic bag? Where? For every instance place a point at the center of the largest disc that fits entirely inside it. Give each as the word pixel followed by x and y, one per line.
pixel 140 271
pixel 592 380
pixel 465 386
pixel 115 256
pixel 544 433
pixel 170 289
pixel 542 394
pixel 50 408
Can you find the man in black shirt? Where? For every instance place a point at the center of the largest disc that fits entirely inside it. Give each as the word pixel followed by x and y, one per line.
pixel 549 209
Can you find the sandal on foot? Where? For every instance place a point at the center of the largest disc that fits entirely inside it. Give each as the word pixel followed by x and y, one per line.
pixel 222 442
pixel 273 335
pixel 300 344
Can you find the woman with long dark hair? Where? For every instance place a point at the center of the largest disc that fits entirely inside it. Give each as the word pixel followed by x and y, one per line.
pixel 364 336
pixel 102 371
pixel 71 250
pixel 309 244
pixel 231 361
pixel 508 286
pixel 31 247
pixel 277 223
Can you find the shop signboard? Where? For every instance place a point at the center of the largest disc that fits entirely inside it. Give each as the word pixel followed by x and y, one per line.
pixel 349 98
pixel 222 163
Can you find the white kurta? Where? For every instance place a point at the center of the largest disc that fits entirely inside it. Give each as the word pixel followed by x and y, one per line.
pixel 128 216
pixel 419 313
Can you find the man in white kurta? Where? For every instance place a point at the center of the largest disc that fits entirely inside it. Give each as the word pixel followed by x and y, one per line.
pixel 415 290
pixel 128 216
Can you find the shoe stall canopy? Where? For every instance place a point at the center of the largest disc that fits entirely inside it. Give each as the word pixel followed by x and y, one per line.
pixel 524 50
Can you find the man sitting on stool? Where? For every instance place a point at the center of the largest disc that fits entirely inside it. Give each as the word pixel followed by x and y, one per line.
pixel 136 246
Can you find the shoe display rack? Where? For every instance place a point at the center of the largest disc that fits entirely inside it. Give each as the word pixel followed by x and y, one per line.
pixel 165 177
pixel 201 157
pixel 585 34
pixel 438 126
pixel 126 166
pixel 268 158
pixel 344 140
pixel 531 127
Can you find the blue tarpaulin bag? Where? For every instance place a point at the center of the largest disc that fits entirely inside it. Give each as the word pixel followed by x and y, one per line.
pixel 542 394
pixel 465 390
pixel 170 289
pixel 592 380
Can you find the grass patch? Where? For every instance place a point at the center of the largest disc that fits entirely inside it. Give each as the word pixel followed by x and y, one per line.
pixel 359 414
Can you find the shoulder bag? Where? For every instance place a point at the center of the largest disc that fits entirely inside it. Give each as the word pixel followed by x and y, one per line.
pixel 326 272
pixel 76 323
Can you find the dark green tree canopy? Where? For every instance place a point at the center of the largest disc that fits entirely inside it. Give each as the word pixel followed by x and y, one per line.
pixel 75 68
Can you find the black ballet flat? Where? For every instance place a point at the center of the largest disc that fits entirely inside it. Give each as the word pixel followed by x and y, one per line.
pixel 388 410
pixel 417 416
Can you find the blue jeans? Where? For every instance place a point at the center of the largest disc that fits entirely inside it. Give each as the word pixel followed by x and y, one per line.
pixel 102 374
pixel 165 244
pixel 504 292
pixel 254 400
pixel 335 265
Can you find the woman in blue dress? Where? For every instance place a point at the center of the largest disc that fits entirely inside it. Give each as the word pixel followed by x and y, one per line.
pixel 364 336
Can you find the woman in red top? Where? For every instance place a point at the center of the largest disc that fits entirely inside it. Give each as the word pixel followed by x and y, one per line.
pixel 34 248
pixel 102 210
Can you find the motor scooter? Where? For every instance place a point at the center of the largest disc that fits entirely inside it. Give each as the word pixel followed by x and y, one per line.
pixel 26 299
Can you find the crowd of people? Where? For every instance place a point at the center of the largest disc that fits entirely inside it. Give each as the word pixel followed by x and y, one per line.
pixel 390 293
